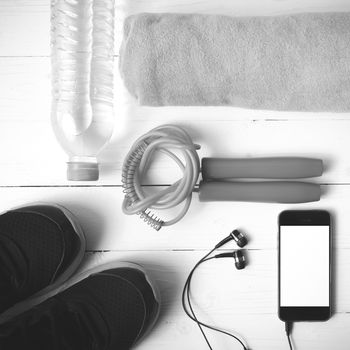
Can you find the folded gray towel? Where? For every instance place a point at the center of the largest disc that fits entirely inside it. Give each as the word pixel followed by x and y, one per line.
pixel 297 62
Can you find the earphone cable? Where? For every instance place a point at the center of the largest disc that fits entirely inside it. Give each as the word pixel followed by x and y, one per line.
pixel 191 308
pixel 193 316
pixel 288 327
pixel 200 323
pixel 186 291
pixel 289 342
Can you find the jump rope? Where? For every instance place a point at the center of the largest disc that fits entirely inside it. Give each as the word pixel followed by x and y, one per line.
pixel 219 175
pixel 219 183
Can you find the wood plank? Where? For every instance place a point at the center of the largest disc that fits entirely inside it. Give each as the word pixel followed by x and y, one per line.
pixel 107 228
pixel 24 28
pixel 265 332
pixel 217 287
pixel 24 24
pixel 30 145
pixel 240 301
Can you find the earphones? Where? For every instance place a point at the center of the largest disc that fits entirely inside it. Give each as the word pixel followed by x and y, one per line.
pixel 237 255
pixel 240 263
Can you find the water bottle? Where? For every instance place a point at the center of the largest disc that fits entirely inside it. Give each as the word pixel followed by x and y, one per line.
pixel 82 54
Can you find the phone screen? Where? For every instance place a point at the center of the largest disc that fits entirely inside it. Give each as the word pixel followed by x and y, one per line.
pixel 304 266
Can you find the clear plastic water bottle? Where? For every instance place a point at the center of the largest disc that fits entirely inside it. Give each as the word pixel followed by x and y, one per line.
pixel 82 55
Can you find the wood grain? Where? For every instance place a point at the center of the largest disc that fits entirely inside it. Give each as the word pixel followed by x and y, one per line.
pixel 238 301
pixel 107 228
pixel 31 155
pixel 33 169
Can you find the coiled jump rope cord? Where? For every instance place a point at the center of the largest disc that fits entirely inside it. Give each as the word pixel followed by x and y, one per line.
pixel 164 139
pixel 173 141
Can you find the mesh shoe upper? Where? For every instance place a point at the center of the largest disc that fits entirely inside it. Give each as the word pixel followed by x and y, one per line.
pixel 108 310
pixel 37 243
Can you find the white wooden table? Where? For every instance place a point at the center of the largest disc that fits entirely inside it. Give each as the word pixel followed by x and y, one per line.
pixel 33 169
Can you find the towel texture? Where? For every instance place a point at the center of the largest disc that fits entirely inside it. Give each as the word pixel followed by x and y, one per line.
pixel 297 62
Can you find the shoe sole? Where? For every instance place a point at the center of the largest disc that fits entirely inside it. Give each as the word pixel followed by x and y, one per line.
pixel 40 296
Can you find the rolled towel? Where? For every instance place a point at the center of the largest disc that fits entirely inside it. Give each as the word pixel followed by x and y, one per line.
pixel 297 62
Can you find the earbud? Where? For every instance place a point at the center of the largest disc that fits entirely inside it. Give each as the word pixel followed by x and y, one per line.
pixel 239 238
pixel 240 261
pixel 235 235
pixel 237 255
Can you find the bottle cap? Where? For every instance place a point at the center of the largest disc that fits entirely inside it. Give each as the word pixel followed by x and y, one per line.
pixel 82 171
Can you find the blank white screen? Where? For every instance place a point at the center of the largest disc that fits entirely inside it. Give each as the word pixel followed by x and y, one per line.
pixel 304 266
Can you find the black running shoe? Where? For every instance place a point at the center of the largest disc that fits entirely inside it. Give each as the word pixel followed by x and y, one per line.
pixel 111 307
pixel 40 247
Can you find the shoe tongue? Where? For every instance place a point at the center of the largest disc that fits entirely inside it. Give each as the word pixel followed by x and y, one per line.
pixel 13 272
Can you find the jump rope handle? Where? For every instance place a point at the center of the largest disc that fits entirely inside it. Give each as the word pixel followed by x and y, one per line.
pixel 266 191
pixel 262 168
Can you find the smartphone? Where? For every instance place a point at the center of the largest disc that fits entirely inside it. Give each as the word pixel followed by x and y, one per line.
pixel 304 265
